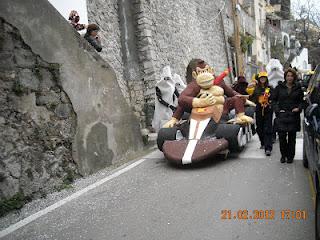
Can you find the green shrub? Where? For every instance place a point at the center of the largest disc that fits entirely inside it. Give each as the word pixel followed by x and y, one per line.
pixel 14 203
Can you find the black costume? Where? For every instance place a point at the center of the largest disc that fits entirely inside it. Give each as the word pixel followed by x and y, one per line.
pixel 264 114
pixel 93 41
pixel 287 122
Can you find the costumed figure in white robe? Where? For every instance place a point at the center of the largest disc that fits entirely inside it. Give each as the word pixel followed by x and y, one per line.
pixel 275 72
pixel 180 84
pixel 168 90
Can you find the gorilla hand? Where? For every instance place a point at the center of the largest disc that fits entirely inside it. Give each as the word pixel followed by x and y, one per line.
pixel 205 100
pixel 170 123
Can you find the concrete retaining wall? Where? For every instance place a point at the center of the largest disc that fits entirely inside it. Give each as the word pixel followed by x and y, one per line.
pixel 106 129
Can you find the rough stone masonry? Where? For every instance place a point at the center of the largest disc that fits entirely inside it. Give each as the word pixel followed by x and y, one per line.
pixel 164 32
pixel 62 111
pixel 37 122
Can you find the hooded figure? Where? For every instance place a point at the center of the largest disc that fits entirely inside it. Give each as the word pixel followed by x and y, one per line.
pixel 166 99
pixel 180 85
pixel 275 72
pixel 262 97
pixel 241 85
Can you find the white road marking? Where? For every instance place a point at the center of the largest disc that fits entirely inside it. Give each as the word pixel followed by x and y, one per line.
pixel 186 159
pixel 75 195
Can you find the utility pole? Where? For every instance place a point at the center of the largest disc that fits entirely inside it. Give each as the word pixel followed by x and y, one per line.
pixel 225 44
pixel 237 40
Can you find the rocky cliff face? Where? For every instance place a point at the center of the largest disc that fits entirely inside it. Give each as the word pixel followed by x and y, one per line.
pixel 37 121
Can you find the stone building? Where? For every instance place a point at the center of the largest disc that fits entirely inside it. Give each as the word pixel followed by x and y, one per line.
pixel 301 60
pixel 249 36
pixel 284 45
pixel 282 7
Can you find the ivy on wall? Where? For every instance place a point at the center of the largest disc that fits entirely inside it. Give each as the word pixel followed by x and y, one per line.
pixel 246 41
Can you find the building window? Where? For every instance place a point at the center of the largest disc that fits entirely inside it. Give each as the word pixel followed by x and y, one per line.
pixel 250 50
pixel 260 17
pixel 285 41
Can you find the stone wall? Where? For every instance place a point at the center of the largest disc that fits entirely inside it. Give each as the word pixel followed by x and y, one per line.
pixel 116 20
pixel 37 121
pixel 167 33
pixel 63 111
pixel 183 30
pixel 105 14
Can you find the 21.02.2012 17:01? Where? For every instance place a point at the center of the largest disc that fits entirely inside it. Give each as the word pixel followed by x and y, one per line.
pixel 269 214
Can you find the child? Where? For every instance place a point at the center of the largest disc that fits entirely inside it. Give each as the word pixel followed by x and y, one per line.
pixel 74 19
pixel 261 96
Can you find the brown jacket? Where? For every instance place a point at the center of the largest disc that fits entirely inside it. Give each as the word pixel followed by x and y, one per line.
pixel 191 91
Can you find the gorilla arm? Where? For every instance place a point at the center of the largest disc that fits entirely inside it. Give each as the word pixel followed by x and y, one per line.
pixel 184 103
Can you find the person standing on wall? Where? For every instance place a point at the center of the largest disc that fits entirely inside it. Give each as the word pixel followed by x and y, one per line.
pixel 261 97
pixel 74 19
pixel 92 36
pixel 288 104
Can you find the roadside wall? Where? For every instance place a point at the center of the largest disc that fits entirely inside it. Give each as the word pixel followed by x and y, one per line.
pixel 61 105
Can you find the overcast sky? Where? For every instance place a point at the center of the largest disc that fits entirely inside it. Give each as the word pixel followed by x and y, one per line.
pixel 315 4
pixel 65 7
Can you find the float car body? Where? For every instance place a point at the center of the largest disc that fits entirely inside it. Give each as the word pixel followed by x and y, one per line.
pixel 204 136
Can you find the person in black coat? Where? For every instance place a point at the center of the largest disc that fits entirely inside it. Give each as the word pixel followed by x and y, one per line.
pixel 92 36
pixel 288 104
pixel 261 97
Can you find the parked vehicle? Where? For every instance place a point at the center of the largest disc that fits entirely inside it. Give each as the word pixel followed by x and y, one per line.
pixel 311 138
pixel 306 79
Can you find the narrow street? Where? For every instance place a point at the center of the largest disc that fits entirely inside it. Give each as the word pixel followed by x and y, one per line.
pixel 154 200
pixel 86 87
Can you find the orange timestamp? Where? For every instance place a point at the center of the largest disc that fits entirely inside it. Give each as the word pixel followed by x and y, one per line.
pixel 259 214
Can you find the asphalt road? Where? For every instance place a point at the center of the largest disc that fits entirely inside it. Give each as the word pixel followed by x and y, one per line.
pixel 157 201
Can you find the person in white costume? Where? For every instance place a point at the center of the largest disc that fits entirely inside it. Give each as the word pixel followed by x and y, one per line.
pixel 168 90
pixel 180 84
pixel 275 72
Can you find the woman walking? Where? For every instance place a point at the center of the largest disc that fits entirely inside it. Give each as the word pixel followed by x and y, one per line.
pixel 288 104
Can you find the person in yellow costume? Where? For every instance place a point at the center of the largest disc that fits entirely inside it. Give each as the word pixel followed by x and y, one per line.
pixel 261 92
pixel 252 85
